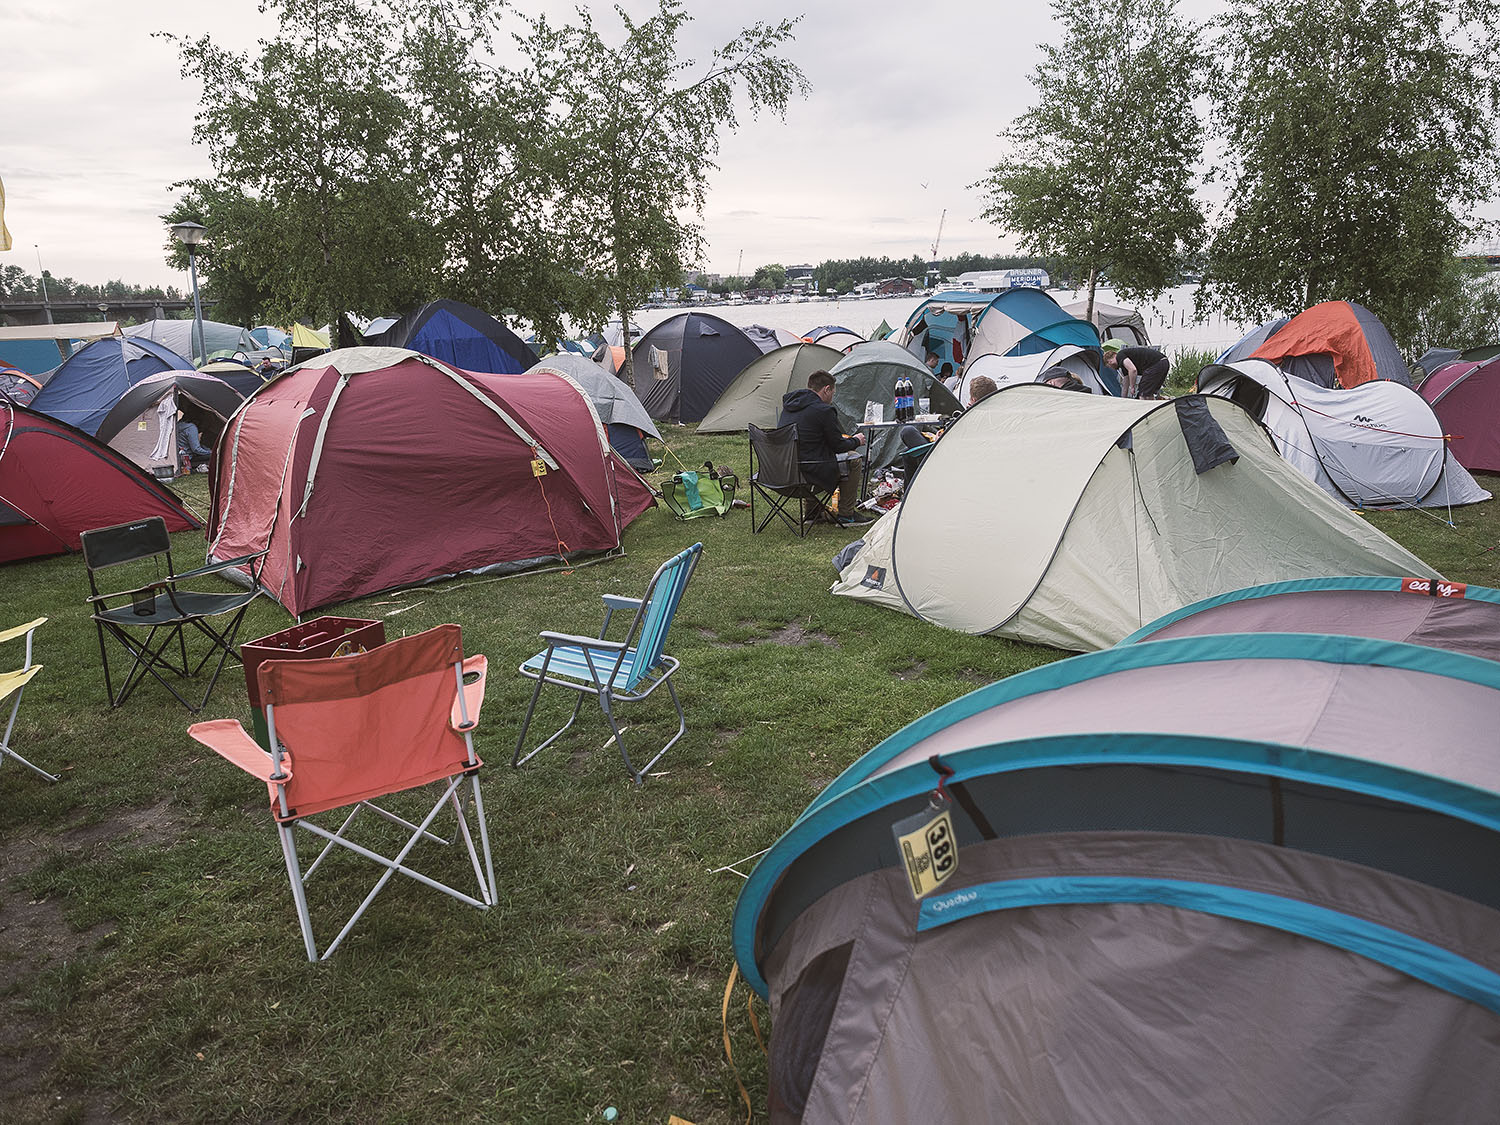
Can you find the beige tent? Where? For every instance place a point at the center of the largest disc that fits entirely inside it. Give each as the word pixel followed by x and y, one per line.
pixel 1072 520
pixel 755 394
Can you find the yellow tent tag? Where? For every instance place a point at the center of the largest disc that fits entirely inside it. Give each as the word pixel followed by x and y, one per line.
pixel 538 468
pixel 928 849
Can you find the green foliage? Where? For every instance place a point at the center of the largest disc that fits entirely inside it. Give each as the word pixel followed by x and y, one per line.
pixel 634 130
pixel 772 276
pixel 1359 137
pixel 1099 173
pixel 18 285
pixel 1186 363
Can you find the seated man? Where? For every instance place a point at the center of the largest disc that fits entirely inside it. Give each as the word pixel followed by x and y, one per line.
pixel 1143 371
pixel 820 440
pixel 981 386
pixel 190 447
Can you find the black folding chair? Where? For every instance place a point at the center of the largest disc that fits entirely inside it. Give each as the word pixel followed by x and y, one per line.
pixel 776 476
pixel 161 608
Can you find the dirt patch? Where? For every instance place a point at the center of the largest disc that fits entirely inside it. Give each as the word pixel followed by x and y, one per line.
pixel 156 825
pixel 724 737
pixel 912 671
pixel 708 634
pixel 794 634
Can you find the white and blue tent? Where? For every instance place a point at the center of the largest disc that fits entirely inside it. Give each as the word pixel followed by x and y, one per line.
pixel 962 326
pixel 1217 878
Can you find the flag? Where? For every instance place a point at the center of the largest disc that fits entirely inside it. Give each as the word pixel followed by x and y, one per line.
pixel 4 234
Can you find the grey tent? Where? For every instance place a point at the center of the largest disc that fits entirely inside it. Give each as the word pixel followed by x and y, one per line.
pixel 619 410
pixel 867 374
pixel 1115 322
pixel 1375 445
pixel 143 423
pixel 685 362
pixel 1230 878
pixel 755 394
pixel 1450 615
pixel 769 339
pixel 1072 520
pixel 178 335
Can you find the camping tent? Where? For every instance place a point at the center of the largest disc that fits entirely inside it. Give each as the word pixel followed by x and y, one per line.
pixel 868 375
pixel 143 424
pixel 90 381
pixel 1336 343
pixel 307 342
pixel 755 394
pixel 178 335
pixel 1074 527
pixel 241 377
pixel 39 348
pixel 1377 445
pixel 459 335
pixel 769 339
pixel 1221 878
pixel 56 482
pixel 1115 322
pixel 20 386
pixel 685 362
pixel 619 410
pixel 1465 396
pixel 1081 363
pixel 373 468
pixel 1020 321
pixel 834 336
pixel 1450 615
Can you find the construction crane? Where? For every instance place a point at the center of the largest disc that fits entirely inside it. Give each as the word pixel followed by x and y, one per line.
pixel 934 269
pixel 939 237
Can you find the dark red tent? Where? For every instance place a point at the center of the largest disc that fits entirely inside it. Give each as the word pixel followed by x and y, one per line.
pixel 1466 399
pixel 372 468
pixel 56 481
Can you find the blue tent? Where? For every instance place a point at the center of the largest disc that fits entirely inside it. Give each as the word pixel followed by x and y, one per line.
pixel 460 335
pixel 91 380
pixel 35 357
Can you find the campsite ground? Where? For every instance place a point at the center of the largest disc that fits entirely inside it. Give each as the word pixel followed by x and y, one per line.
pixel 150 966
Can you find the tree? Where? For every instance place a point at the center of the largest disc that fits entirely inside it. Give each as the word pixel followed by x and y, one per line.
pixel 637 133
pixel 313 208
pixel 1099 173
pixel 1360 136
pixel 772 276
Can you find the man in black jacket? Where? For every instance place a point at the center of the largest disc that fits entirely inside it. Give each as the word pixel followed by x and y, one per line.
pixel 820 439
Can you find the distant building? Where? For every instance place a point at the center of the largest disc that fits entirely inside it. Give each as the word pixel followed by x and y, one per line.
pixel 993 281
pixel 894 287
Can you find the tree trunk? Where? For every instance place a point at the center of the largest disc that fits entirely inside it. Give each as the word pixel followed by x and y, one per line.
pixel 627 365
pixel 1093 284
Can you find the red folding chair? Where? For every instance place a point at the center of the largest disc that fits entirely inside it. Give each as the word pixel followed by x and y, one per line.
pixel 348 730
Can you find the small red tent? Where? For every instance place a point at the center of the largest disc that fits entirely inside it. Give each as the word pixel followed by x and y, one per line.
pixel 1336 343
pixel 56 481
pixel 367 469
pixel 1466 399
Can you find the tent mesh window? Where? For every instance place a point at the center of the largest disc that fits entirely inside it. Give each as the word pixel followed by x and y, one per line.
pixel 805 1013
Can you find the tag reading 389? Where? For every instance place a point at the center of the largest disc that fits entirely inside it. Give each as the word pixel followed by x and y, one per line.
pixel 928 849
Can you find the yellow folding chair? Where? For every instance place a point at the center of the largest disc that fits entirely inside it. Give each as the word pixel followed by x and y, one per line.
pixel 12 685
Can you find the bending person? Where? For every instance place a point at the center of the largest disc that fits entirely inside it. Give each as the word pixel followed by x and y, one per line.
pixel 1143 371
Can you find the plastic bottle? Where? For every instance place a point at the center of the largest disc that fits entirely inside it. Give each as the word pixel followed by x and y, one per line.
pixel 902 399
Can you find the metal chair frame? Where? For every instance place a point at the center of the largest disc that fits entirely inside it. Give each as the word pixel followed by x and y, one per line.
pixel 615 671
pixel 776 475
pixel 161 607
pixel 13 686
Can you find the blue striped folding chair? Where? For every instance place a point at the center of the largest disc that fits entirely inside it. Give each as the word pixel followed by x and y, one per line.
pixel 615 672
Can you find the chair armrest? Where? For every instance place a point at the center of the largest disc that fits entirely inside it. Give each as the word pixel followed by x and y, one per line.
pixel 12 682
pixel 555 639
pixel 227 738
pixel 473 697
pixel 159 584
pixel 212 568
pixel 615 601
pixel 21 630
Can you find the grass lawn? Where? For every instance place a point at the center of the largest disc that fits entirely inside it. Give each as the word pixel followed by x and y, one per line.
pixel 150 965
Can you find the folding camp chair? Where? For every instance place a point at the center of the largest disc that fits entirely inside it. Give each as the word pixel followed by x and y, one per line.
pixel 776 476
pixel 161 607
pixel 346 730
pixel 616 671
pixel 12 685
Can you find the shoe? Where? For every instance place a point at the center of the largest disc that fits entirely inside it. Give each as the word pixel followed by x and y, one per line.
pixel 201 469
pixel 859 519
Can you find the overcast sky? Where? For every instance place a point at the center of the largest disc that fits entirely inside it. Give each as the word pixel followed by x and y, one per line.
pixel 906 102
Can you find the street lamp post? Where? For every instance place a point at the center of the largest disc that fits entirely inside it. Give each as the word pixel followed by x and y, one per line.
pixel 190 234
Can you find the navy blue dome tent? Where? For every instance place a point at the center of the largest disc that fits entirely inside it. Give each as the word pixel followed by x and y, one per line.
pixel 459 335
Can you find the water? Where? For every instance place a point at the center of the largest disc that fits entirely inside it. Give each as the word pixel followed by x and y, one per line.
pixel 1169 320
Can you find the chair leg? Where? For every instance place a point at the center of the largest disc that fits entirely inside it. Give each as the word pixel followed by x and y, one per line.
pixel 7 752
pixel 519 759
pixel 639 774
pixel 299 892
